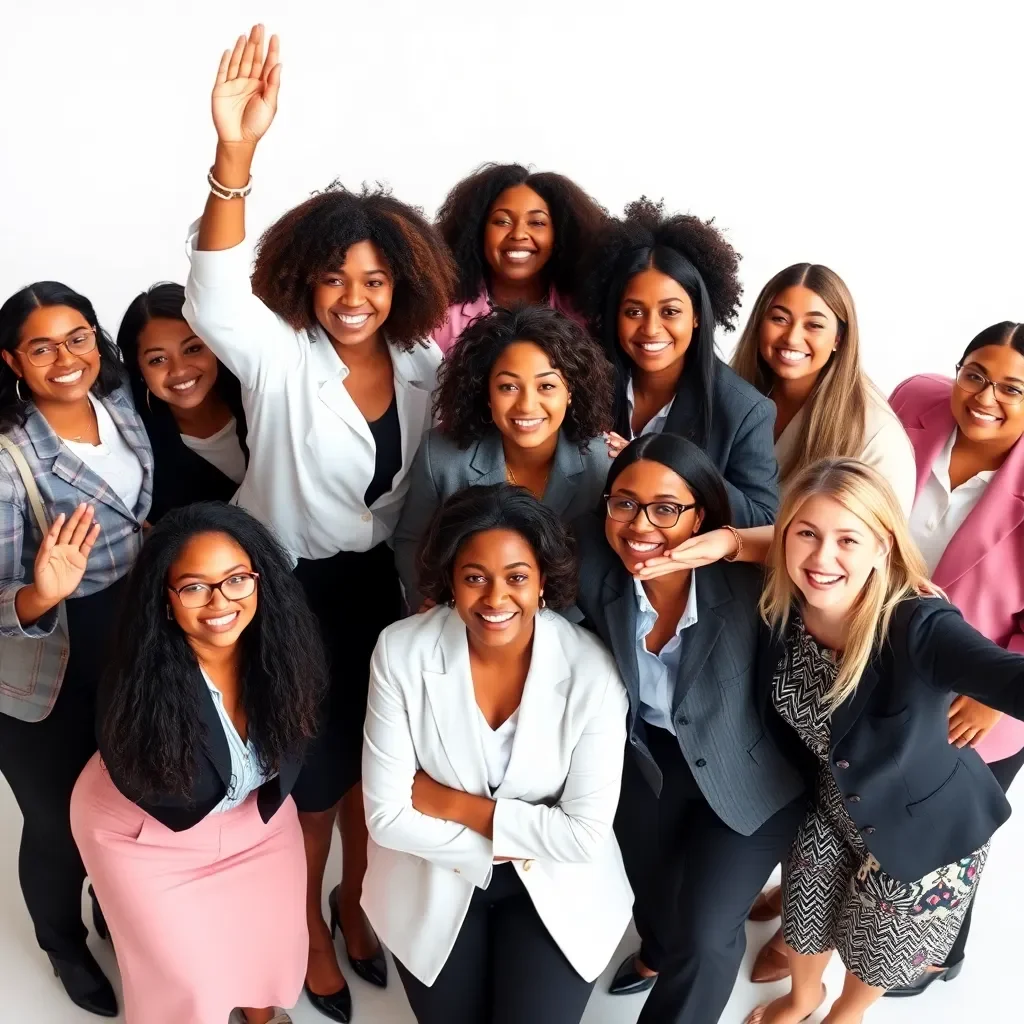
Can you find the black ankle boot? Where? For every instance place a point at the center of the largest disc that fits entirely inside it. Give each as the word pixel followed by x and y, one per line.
pixel 85 983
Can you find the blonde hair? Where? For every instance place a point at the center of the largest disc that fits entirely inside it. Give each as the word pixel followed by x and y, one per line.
pixel 833 425
pixel 868 495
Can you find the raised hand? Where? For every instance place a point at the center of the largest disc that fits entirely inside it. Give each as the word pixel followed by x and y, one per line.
pixel 62 557
pixel 245 94
pixel 615 442
pixel 693 553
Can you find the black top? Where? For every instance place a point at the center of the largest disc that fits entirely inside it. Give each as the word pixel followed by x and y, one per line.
pixel 918 801
pixel 387 436
pixel 741 442
pixel 212 778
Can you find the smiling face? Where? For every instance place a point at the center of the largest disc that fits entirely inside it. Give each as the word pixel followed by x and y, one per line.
pixel 497 586
pixel 518 236
pixel 71 376
pixel 830 553
pixel 352 302
pixel 987 417
pixel 649 483
pixel 177 366
pixel 527 395
pixel 798 334
pixel 656 321
pixel 211 558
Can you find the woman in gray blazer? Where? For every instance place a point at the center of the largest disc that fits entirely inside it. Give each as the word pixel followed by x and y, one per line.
pixel 523 398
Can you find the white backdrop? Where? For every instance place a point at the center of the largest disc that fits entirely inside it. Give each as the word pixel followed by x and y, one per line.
pixel 883 139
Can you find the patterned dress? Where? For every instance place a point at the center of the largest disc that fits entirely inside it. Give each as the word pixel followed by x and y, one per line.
pixel 835 894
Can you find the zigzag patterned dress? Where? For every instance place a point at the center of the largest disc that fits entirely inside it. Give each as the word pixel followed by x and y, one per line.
pixel 835 894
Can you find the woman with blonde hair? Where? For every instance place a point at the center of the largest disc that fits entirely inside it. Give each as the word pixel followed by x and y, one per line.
pixel 858 662
pixel 801 348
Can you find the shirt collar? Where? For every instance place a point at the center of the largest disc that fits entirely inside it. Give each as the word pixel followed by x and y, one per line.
pixel 689 616
pixel 940 469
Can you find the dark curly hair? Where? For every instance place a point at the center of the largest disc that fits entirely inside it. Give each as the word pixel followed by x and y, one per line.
pixel 689 250
pixel 475 510
pixel 576 218
pixel 152 732
pixel 13 314
pixel 461 398
pixel 313 238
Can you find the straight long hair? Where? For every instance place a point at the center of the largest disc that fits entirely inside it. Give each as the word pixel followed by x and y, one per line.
pixel 833 422
pixel 868 495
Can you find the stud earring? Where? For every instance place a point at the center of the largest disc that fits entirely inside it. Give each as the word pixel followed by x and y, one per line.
pixel 170 614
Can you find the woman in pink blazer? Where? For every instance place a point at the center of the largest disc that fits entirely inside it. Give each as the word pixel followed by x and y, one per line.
pixel 517 237
pixel 968 520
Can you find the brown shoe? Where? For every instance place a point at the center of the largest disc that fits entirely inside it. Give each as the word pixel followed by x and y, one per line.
pixel 772 963
pixel 767 906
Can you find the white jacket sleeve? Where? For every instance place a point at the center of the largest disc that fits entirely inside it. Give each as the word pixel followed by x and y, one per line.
pixel 389 766
pixel 253 342
pixel 575 829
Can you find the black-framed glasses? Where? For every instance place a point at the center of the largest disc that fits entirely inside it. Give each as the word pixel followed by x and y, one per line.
pixel 663 514
pixel 79 342
pixel 236 587
pixel 974 382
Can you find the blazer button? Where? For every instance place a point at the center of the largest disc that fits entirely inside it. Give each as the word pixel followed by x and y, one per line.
pixel 700 762
pixel 854 798
pixel 136 528
pixel 527 864
pixel 869 830
pixel 842 764
pixel 367 516
pixel 458 871
pixel 683 720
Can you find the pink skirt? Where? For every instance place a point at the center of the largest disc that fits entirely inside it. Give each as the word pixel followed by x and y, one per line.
pixel 203 920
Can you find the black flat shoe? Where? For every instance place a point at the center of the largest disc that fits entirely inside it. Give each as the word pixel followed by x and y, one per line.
pixel 99 922
pixel 86 984
pixel 374 969
pixel 915 988
pixel 628 980
pixel 336 1006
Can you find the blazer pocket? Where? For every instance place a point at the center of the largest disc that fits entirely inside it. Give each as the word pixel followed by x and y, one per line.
pixel 957 788
pixel 887 721
pixel 733 675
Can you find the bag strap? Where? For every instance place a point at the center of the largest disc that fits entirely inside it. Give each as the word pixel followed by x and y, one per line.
pixel 35 499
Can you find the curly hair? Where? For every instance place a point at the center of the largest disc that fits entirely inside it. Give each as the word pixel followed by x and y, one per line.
pixel 151 733
pixel 691 251
pixel 476 510
pixel 461 400
pixel 13 314
pixel 313 239
pixel 576 217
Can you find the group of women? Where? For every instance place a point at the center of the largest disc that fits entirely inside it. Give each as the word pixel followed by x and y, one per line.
pixel 461 537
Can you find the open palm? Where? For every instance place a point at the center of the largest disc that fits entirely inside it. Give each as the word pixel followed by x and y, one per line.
pixel 62 557
pixel 244 97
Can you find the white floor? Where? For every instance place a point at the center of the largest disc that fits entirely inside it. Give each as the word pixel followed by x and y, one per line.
pixel 986 991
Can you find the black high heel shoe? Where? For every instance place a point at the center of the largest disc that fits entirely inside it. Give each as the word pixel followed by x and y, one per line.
pixel 99 922
pixel 375 968
pixel 85 983
pixel 915 988
pixel 337 1006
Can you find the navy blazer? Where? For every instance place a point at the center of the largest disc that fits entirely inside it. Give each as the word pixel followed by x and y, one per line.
pixel 741 443
pixel 918 801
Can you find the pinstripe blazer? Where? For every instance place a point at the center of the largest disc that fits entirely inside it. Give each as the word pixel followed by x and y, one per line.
pixel 575 485
pixel 715 712
pixel 30 682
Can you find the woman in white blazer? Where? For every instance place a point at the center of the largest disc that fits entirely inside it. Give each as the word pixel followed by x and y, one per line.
pixel 492 760
pixel 329 339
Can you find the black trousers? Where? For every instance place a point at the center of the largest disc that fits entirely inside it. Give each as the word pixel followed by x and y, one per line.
pixel 1005 772
pixel 694 880
pixel 504 967
pixel 41 762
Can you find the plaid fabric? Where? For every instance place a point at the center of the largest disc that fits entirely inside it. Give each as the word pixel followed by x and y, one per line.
pixel 31 673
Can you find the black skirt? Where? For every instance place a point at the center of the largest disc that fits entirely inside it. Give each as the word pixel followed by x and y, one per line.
pixel 354 595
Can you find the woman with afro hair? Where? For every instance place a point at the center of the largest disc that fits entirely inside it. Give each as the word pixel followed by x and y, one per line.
pixel 330 342
pixel 524 398
pixel 656 288
pixel 517 237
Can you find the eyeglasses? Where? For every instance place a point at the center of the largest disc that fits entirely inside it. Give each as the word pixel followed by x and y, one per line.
pixel 974 382
pixel 79 342
pixel 663 514
pixel 234 588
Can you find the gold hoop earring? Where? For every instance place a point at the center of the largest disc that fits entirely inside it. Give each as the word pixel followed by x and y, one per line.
pixel 17 390
pixel 543 603
pixel 148 406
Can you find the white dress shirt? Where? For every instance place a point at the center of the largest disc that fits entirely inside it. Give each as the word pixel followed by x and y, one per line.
pixel 113 460
pixel 658 672
pixel 311 452
pixel 656 424
pixel 497 746
pixel 939 512
pixel 222 450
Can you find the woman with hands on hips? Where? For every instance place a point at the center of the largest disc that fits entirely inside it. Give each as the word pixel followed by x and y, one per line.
pixel 330 342
pixel 492 763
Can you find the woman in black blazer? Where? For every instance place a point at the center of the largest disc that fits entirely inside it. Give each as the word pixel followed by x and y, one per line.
pixel 190 403
pixel 657 288
pixel 858 663
pixel 184 817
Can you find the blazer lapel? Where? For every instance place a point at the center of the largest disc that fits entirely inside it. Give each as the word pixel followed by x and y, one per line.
pixel 330 376
pixel 619 603
pixel 713 592
pixel 487 459
pixel 453 705
pixel 132 429
pixel 928 436
pixel 563 479
pixel 215 743
pixel 853 707
pixel 682 418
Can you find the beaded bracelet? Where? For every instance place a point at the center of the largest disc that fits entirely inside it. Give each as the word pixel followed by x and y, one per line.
pixel 223 192
pixel 739 544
